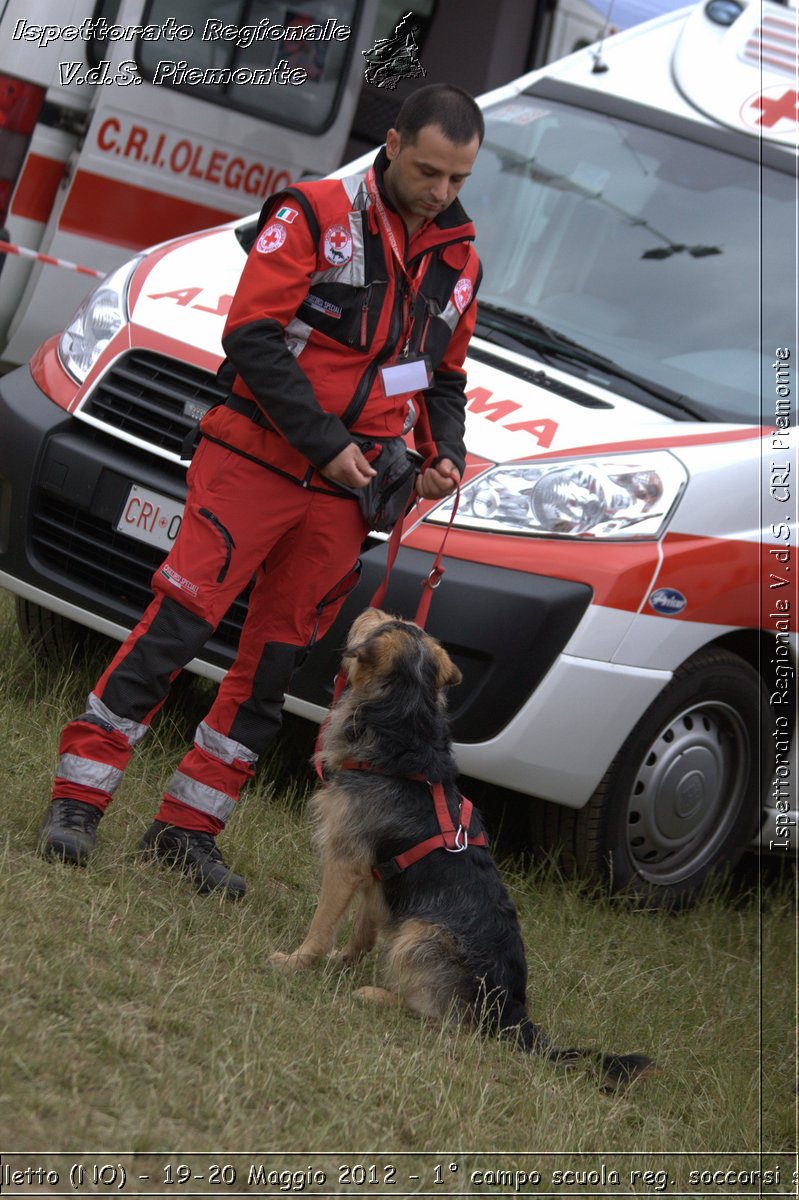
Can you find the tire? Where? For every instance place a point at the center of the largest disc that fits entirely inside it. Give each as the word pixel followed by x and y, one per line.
pixel 51 638
pixel 55 641
pixel 682 800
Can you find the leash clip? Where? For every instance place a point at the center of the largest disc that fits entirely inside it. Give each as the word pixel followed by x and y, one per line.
pixel 459 846
pixel 435 577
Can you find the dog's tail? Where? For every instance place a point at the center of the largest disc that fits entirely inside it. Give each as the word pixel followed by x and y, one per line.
pixel 616 1071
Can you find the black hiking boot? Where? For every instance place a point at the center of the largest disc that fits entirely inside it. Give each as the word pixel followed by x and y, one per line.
pixel 195 854
pixel 69 831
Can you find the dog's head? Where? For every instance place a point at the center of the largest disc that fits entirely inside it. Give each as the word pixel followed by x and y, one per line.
pixel 381 647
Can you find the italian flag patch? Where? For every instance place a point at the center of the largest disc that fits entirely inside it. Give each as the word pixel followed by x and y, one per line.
pixel 286 214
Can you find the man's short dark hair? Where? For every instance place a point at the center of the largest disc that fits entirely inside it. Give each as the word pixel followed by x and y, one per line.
pixel 442 104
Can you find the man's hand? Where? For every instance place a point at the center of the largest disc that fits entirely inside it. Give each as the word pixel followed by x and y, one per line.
pixel 349 468
pixel 438 481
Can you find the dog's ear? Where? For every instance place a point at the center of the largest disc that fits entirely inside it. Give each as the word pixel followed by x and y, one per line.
pixel 448 674
pixel 362 660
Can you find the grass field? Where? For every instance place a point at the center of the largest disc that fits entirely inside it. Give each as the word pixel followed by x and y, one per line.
pixel 138 1016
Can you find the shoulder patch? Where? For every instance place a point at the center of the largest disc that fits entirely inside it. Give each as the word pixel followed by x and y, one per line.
pixel 286 214
pixel 462 294
pixel 337 245
pixel 271 238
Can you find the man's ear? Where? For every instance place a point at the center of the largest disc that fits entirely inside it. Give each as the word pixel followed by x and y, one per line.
pixel 392 144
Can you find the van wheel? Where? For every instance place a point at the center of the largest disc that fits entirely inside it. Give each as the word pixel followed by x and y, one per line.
pixel 682 800
pixel 51 638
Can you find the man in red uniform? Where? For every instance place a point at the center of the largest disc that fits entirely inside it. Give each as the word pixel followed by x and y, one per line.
pixel 349 326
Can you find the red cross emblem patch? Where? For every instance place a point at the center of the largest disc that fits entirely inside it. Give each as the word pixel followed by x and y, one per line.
pixel 462 294
pixel 775 109
pixel 337 245
pixel 272 238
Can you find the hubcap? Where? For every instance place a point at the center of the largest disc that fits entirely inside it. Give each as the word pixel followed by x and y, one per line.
pixel 687 792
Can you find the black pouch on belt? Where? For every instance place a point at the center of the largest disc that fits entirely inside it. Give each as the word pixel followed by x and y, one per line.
pixel 387 496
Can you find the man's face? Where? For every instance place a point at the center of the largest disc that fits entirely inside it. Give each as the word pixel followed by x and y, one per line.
pixel 424 177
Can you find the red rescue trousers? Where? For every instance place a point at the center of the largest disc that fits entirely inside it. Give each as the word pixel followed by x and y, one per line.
pixel 241 521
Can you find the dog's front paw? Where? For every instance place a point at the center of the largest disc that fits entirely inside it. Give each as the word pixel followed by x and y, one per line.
pixel 377 995
pixel 290 962
pixel 341 960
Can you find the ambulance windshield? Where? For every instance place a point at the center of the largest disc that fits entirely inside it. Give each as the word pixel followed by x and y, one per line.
pixel 661 254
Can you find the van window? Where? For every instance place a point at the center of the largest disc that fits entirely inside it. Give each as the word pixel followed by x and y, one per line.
pixel 663 255
pixel 236 74
pixel 97 48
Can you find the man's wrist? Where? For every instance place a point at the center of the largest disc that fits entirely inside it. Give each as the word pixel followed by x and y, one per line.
pixel 320 462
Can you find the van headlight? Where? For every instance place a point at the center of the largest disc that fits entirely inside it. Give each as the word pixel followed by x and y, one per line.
pixel 101 315
pixel 623 496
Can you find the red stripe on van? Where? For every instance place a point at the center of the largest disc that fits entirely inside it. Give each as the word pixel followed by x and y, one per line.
pixel 620 574
pixel 719 577
pixel 673 439
pixel 731 582
pixel 725 581
pixel 109 210
pixel 36 189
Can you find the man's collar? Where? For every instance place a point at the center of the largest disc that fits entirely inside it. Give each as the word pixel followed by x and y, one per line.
pixel 380 164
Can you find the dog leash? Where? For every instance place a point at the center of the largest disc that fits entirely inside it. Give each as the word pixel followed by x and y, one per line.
pixel 429 585
pixel 436 574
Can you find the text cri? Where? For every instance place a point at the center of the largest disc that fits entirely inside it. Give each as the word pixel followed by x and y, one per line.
pixel 187 157
pixel 149 517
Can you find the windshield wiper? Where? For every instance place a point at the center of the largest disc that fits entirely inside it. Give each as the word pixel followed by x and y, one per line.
pixel 527 330
pixel 504 326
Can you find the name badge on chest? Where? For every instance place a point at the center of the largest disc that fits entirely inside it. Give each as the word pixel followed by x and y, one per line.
pixel 411 374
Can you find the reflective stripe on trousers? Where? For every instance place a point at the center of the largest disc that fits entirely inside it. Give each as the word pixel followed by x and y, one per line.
pixel 94 751
pixel 214 801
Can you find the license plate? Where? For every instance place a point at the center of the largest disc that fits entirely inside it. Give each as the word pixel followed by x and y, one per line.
pixel 151 517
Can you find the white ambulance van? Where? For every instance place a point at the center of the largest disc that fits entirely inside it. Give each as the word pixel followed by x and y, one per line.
pixel 621 588
pixel 127 122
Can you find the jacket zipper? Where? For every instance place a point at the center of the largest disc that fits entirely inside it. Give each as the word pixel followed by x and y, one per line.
pixel 365 306
pixel 364 385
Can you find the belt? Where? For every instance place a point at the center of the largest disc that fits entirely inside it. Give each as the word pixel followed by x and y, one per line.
pixel 248 408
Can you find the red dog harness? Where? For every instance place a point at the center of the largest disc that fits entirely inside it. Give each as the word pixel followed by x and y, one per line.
pixel 455 841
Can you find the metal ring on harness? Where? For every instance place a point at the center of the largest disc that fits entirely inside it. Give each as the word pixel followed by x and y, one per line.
pixel 435 577
pixel 459 846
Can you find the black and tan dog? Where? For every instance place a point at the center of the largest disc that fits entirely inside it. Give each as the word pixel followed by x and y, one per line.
pixel 449 929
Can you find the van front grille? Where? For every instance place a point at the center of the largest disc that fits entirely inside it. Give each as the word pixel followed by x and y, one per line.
pixel 87 550
pixel 154 398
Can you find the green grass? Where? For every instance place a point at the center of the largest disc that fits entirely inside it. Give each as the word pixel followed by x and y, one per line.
pixel 137 1015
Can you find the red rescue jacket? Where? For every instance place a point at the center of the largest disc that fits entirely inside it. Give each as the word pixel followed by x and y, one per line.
pixel 322 304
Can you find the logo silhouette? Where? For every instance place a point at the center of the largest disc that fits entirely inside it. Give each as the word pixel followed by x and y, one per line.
pixel 395 58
